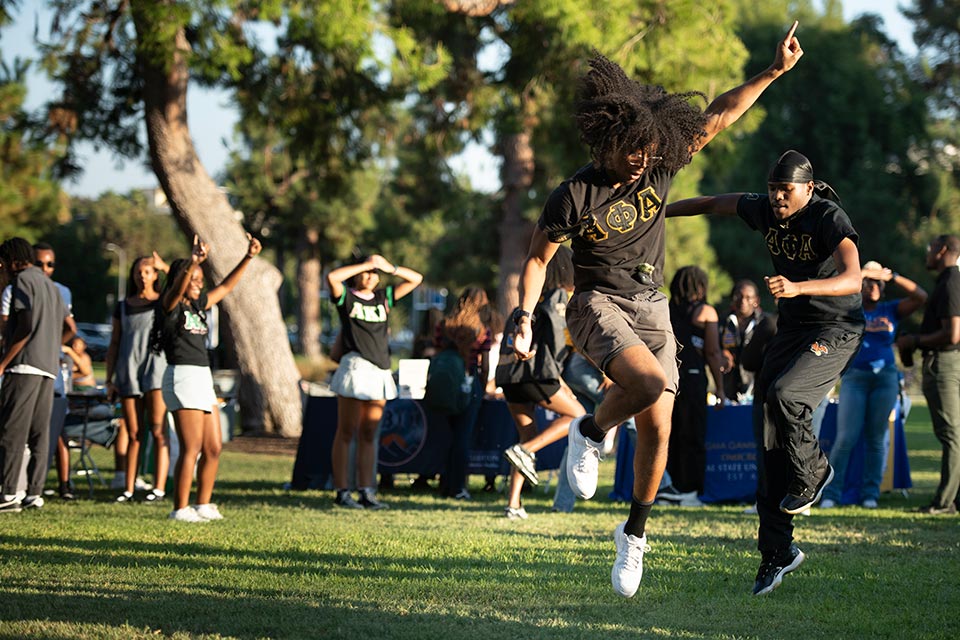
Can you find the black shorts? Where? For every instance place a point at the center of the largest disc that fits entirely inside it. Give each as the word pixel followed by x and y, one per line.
pixel 524 392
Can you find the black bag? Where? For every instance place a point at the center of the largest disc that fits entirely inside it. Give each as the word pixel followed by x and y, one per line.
pixel 549 341
pixel 447 390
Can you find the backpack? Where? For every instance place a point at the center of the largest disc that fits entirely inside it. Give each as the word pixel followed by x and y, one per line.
pixel 448 390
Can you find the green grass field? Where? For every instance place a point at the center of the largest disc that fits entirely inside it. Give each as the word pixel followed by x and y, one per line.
pixel 288 565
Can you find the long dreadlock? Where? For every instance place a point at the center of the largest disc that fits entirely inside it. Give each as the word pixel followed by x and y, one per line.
pixel 617 115
pixel 689 286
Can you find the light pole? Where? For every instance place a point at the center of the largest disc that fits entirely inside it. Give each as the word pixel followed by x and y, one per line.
pixel 121 266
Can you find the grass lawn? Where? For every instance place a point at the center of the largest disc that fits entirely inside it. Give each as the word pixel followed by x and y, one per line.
pixel 288 565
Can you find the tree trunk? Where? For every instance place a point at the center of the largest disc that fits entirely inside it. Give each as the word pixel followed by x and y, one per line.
pixel 263 351
pixel 308 280
pixel 517 177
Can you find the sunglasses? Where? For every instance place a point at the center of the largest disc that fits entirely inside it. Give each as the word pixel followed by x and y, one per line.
pixel 636 159
pixel 42 264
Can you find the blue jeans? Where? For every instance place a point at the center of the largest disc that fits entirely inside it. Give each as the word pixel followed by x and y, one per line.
pixel 866 400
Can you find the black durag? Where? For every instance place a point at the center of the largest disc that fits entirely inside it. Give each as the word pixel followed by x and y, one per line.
pixel 793 166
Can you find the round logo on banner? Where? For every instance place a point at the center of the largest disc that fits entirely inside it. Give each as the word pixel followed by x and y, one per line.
pixel 403 432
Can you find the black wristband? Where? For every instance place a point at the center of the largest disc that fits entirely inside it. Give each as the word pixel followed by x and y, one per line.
pixel 893 275
pixel 518 315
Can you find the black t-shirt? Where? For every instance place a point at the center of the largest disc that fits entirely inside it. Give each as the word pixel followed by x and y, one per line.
pixel 364 323
pixel 943 303
pixel 690 337
pixel 613 231
pixel 801 248
pixel 185 333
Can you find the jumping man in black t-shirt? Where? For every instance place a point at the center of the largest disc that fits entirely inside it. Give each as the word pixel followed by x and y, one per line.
pixel 813 247
pixel 612 210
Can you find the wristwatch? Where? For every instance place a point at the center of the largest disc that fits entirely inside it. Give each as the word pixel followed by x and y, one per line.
pixel 519 315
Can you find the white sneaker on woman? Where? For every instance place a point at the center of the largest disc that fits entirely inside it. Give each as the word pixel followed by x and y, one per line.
pixel 208 511
pixel 187 514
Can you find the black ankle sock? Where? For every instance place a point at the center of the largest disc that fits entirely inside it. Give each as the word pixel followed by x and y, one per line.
pixel 589 429
pixel 637 521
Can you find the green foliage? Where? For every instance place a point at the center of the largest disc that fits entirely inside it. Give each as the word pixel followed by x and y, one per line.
pixel 31 201
pixel 84 265
pixel 868 154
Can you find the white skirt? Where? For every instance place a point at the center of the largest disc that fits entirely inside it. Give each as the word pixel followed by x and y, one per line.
pixel 188 386
pixel 358 378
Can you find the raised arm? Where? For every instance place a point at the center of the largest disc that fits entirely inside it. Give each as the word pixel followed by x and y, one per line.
pixel 532 276
pixel 219 292
pixel 175 294
pixel 846 282
pixel 723 204
pixel 338 276
pixel 412 279
pixel 916 296
pixel 728 107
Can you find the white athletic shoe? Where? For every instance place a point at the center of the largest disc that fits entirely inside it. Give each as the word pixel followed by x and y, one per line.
pixel 187 514
pixel 827 503
pixel 208 511
pixel 628 567
pixel 583 462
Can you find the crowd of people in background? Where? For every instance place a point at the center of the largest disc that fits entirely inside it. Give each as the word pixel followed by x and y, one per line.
pixel 593 340
pixel 157 363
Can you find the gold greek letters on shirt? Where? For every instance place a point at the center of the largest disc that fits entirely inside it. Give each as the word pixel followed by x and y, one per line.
pixel 622 216
pixel 794 248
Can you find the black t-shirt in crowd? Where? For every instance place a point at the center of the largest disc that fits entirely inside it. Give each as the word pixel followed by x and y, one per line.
pixel 364 323
pixel 943 303
pixel 613 231
pixel 801 248
pixel 185 333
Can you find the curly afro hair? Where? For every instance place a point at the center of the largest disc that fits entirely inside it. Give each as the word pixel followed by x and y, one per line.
pixel 617 115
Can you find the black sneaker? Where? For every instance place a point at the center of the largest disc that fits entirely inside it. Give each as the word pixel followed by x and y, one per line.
pixel 345 500
pixel 12 506
pixel 800 498
pixel 772 570
pixel 368 500
pixel 523 461
pixel 671 494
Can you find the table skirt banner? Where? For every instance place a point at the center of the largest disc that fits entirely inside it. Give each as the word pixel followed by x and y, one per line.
pixel 731 473
pixel 414 439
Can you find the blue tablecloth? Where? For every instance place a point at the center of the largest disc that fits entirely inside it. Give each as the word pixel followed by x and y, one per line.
pixel 414 440
pixel 731 474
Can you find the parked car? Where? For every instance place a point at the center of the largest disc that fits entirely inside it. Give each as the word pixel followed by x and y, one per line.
pixel 97 337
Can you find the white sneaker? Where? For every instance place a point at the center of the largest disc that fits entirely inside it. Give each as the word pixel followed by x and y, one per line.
pixel 751 510
pixel 827 503
pixel 32 502
pixel 869 503
pixel 515 514
pixel 583 462
pixel 208 511
pixel 628 567
pixel 142 485
pixel 187 514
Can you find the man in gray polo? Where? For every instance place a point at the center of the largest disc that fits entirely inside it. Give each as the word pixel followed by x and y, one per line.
pixel 29 364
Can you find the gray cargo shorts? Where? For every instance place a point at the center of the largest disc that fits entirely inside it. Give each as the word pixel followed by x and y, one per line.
pixel 603 325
